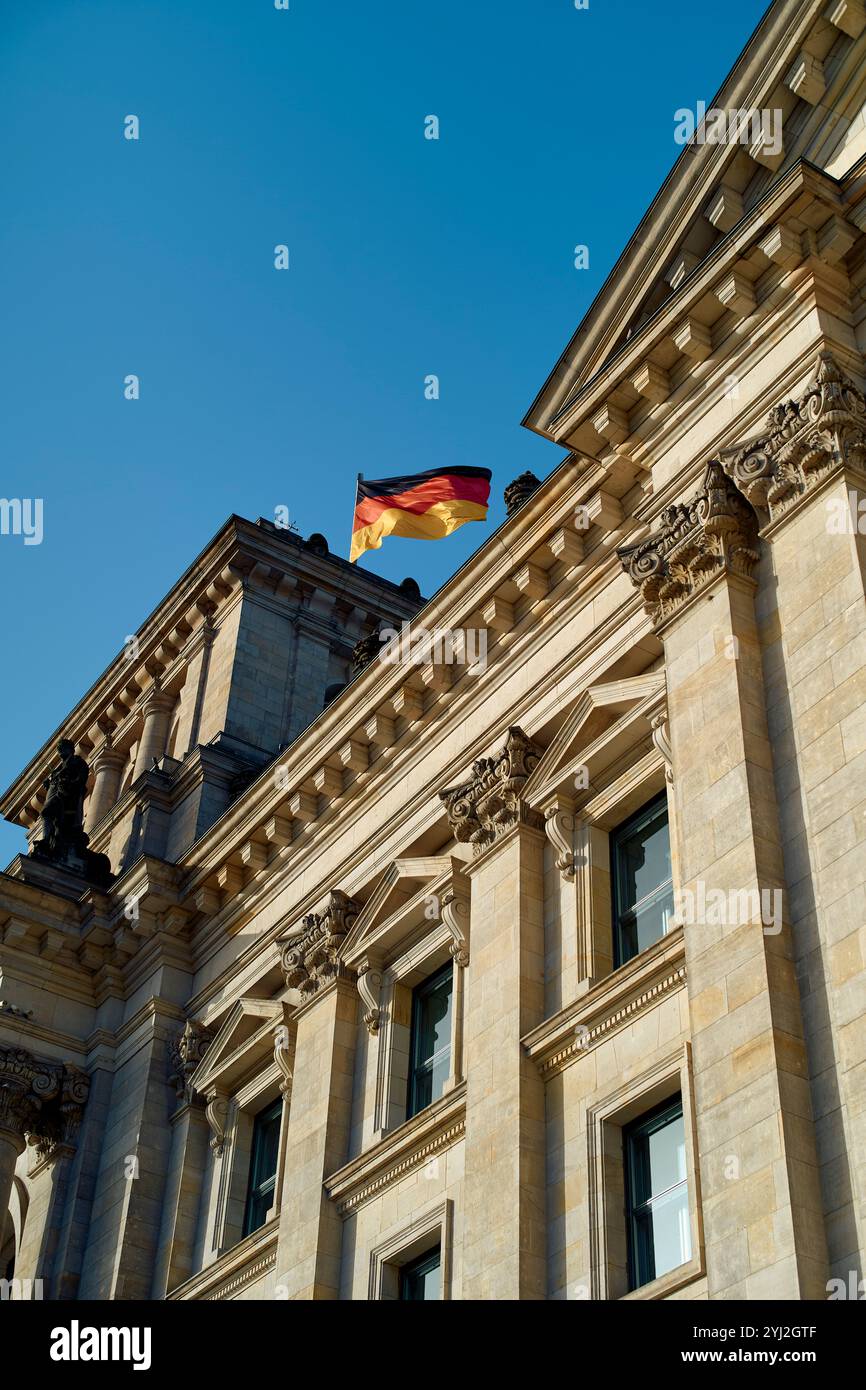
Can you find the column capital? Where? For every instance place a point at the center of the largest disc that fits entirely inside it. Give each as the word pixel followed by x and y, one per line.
pixel 185 1054
pixel 802 442
pixel 714 533
pixel 155 700
pixel 489 804
pixel 41 1101
pixel 309 956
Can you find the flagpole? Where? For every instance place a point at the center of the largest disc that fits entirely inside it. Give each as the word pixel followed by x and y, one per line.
pixel 358 480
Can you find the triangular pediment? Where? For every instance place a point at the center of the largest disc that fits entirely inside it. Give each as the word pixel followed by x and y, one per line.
pixel 603 713
pixel 408 895
pixel 800 85
pixel 243 1037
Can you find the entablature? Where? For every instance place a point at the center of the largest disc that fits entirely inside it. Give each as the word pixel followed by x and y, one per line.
pixel 336 764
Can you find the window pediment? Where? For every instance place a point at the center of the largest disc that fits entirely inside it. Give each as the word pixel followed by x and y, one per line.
pixel 408 902
pixel 244 1041
pixel 395 919
pixel 606 720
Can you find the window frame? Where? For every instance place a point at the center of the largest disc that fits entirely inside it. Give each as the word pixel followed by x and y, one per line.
pixel 422 1264
pixel 420 992
pixel 653 1120
pixel 433 1229
pixel 273 1112
pixel 422 958
pixel 670 1076
pixel 620 833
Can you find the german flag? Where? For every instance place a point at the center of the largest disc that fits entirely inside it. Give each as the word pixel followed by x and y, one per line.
pixel 423 506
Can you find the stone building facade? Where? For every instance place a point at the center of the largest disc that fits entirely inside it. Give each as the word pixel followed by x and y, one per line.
pixel 538 975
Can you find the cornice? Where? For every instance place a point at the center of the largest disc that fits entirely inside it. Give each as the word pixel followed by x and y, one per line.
pixel 245 1262
pixel 697 172
pixel 241 552
pixel 414 1143
pixel 786 305
pixel 193 584
pixel 452 607
pixel 420 814
pixel 318 745
pixel 800 184
pixel 610 1005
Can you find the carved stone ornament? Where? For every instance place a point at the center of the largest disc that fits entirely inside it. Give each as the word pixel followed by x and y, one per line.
pixel 284 1056
pixel 13 1010
pixel 365 650
pixel 661 739
pixel 801 441
pixel 715 531
pixel 63 838
pixel 518 491
pixel 41 1101
pixel 217 1112
pixel 560 826
pixel 309 957
pixel 455 915
pixel 185 1054
pixel 483 808
pixel 370 989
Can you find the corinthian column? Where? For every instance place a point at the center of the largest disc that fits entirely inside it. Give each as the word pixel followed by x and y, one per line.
pixel 156 709
pixel 40 1101
pixel 107 767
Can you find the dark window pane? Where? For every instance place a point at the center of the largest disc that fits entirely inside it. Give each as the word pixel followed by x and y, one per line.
pixel 641 878
pixel 657 1198
pixel 263 1167
pixel 430 1040
pixel 422 1279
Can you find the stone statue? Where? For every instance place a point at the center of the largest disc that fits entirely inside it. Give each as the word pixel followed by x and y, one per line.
pixel 64 839
pixel 63 812
pixel 518 491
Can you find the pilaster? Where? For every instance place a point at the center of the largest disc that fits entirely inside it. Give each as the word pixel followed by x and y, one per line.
pixel 806 475
pixel 504 1236
pixel 316 1143
pixel 762 1215
pixel 504 1239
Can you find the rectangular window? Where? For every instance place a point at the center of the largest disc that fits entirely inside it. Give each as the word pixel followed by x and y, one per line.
pixel 430 1040
pixel 641 877
pixel 263 1166
pixel 657 1194
pixel 422 1279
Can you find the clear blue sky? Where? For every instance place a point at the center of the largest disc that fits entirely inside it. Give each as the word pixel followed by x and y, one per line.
pixel 408 257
